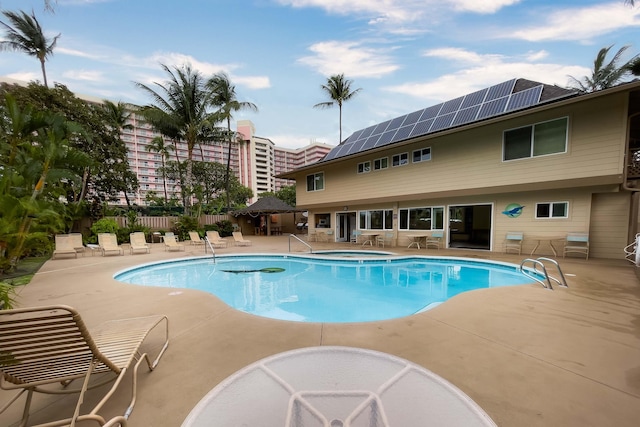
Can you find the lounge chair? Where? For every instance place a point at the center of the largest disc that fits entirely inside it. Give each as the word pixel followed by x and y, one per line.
pixel 215 240
pixel 435 240
pixel 78 245
pixel 64 246
pixel 44 349
pixel 171 244
pixel 195 239
pixel 239 240
pixel 576 243
pixel 138 242
pixel 513 241
pixel 108 242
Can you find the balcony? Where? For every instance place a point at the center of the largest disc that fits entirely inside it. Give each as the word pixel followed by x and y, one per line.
pixel 633 168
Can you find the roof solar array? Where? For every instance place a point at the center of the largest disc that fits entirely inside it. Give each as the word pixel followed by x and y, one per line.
pixel 485 103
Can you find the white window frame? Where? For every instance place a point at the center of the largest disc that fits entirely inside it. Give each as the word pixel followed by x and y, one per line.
pixel 423 157
pixel 364 167
pixel 408 213
pixel 400 159
pixel 531 152
pixel 551 216
pixel 379 162
pixel 314 182
pixel 367 225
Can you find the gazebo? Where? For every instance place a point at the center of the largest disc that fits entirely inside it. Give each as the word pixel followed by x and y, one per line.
pixel 266 207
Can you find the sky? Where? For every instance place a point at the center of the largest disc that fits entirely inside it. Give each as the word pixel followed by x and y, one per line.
pixel 404 55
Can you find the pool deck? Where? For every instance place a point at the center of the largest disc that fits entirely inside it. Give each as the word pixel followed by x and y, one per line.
pixel 528 356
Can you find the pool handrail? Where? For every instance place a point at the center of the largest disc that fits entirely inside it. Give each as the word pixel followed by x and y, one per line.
pixel 213 251
pixel 561 281
pixel 301 241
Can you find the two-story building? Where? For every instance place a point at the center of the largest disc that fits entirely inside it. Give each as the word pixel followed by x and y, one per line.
pixel 518 156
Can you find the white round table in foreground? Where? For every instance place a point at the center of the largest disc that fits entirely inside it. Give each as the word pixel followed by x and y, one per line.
pixel 335 387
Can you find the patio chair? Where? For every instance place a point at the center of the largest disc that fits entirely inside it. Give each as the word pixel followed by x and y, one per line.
pixel 108 242
pixel 138 242
pixel 64 246
pixel 355 234
pixel 384 239
pixel 44 349
pixel 434 240
pixel 78 245
pixel 513 241
pixel 576 243
pixel 171 244
pixel 216 241
pixel 239 240
pixel 328 236
pixel 195 239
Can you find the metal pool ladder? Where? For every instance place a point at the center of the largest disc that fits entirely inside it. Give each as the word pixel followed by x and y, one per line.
pixel 301 241
pixel 213 251
pixel 537 268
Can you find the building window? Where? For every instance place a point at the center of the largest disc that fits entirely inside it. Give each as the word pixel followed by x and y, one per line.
pixel 376 220
pixel 427 218
pixel 422 155
pixel 552 210
pixel 382 163
pixel 400 159
pixel 315 182
pixel 536 140
pixel 364 167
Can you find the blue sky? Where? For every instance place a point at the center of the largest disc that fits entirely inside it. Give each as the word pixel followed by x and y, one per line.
pixel 404 54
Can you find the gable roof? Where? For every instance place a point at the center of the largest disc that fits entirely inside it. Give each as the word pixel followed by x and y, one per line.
pixel 503 98
pixel 264 206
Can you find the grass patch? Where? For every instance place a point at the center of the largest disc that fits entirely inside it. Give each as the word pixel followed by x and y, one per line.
pixel 24 271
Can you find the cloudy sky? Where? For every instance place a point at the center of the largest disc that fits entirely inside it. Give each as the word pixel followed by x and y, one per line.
pixel 404 54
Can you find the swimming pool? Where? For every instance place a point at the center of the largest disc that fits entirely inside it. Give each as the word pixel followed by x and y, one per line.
pixel 315 288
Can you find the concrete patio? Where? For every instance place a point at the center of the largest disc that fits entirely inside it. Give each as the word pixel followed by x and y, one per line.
pixel 528 356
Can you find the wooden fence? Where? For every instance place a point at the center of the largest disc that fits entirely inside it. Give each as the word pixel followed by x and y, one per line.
pixel 166 222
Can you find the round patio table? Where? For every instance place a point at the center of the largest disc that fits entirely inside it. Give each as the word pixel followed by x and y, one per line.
pixel 336 387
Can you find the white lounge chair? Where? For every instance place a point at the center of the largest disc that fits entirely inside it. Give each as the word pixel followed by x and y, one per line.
pixel 195 239
pixel 215 240
pixel 240 240
pixel 171 244
pixel 109 243
pixel 138 242
pixel 64 246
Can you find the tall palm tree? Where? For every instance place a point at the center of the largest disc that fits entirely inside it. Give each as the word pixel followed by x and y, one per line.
pixel 339 90
pixel 224 97
pixel 117 116
pixel 181 113
pixel 26 36
pixel 159 146
pixel 604 75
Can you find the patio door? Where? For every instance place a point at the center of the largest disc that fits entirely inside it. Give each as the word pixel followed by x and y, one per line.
pixel 470 226
pixel 346 223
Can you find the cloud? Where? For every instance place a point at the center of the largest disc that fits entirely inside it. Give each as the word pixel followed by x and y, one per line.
pixel 480 71
pixel 87 75
pixel 481 6
pixel 581 24
pixel 74 52
pixel 26 76
pixel 350 58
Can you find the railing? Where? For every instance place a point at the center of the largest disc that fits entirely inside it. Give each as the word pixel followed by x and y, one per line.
pixel 301 241
pixel 213 251
pixel 631 252
pixel 539 263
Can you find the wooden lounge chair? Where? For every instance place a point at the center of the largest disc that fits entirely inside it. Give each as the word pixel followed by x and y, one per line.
pixel 195 239
pixel 64 246
pixel 216 241
pixel 44 349
pixel 108 242
pixel 240 240
pixel 138 242
pixel 171 244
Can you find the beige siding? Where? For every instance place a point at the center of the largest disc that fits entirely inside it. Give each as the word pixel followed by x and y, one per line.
pixel 471 161
pixel 609 225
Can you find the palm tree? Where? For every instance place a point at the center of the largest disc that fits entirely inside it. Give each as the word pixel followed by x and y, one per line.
pixel 27 36
pixel 117 117
pixel 339 90
pixel 604 75
pixel 181 113
pixel 158 145
pixel 225 98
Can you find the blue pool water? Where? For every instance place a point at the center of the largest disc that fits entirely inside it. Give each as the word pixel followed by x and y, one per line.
pixel 327 289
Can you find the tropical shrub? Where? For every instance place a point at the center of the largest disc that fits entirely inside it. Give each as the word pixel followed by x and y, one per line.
pixel 184 225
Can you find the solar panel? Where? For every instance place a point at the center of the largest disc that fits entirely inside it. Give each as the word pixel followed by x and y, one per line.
pixel 442 122
pixel 466 116
pixel 430 113
pixel 500 90
pixel 474 98
pixel 422 128
pixel 451 106
pixel 525 98
pixel 412 118
pixel 479 105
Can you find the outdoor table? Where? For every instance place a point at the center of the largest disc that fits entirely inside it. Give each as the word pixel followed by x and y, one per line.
pixel 416 239
pixel 369 237
pixel 540 239
pixel 337 387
